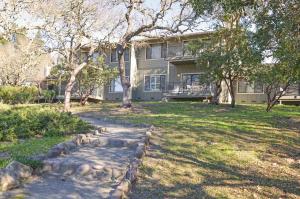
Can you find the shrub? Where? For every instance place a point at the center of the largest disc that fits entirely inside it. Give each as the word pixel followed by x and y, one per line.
pixel 48 95
pixel 18 94
pixel 32 121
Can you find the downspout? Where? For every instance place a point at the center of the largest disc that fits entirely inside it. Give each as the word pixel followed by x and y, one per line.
pixel 168 69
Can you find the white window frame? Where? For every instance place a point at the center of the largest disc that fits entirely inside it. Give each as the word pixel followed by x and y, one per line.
pixel 156 90
pixel 237 90
pixel 161 58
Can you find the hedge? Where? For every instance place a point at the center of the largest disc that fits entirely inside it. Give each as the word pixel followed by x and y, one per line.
pixel 18 94
pixel 36 121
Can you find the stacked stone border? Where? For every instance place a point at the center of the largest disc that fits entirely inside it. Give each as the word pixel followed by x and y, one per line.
pixel 15 173
pixel 124 187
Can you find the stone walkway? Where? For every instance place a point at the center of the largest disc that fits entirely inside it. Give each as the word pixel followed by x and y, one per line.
pixel 88 172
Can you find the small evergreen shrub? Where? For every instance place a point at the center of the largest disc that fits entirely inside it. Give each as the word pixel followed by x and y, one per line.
pixel 18 94
pixel 36 121
pixel 48 95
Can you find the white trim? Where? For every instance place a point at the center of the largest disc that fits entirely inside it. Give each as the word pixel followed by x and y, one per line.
pixel 237 90
pixel 121 85
pixel 153 91
pixel 168 64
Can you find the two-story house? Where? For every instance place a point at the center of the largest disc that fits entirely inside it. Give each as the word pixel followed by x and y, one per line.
pixel 165 68
pixel 162 68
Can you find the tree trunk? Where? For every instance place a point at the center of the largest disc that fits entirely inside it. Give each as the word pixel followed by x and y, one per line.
pixel 230 87
pixel 232 101
pixel 70 85
pixel 85 96
pixel 273 100
pixel 84 99
pixel 232 94
pixel 126 103
pixel 217 91
pixel 268 93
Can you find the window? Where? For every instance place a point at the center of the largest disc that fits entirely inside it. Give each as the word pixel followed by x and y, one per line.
pixel 156 51
pixel 126 54
pixel 155 83
pixel 190 80
pixel 247 87
pixel 114 55
pixel 96 57
pixel 175 49
pixel 115 86
pixel 186 51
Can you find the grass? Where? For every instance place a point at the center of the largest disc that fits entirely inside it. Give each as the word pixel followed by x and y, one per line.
pixel 21 151
pixel 28 130
pixel 204 151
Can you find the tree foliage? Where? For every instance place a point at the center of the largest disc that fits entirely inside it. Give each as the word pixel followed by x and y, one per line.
pixel 278 38
pixel 94 75
pixel 247 33
pixel 229 54
pixel 21 60
pixel 70 26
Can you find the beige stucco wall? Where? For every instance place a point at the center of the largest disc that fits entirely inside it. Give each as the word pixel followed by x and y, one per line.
pixel 250 98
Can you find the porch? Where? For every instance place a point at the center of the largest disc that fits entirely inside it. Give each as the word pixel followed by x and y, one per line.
pixel 183 90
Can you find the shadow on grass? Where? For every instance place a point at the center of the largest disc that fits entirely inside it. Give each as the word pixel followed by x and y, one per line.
pixel 238 178
pixel 243 129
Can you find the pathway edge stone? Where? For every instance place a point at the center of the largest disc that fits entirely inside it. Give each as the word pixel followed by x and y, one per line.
pixel 124 187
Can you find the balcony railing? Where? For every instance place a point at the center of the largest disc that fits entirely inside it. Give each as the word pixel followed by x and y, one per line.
pixel 183 89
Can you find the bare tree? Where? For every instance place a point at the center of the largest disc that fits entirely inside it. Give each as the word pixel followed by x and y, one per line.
pixel 11 11
pixel 140 19
pixel 21 60
pixel 68 27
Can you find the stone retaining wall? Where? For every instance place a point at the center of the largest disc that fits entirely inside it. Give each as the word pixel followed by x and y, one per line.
pixel 130 178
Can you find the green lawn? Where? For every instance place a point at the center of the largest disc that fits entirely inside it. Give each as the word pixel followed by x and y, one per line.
pixel 27 130
pixel 20 151
pixel 205 151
